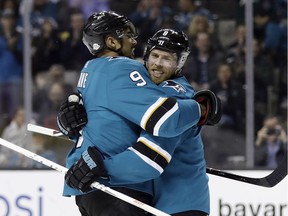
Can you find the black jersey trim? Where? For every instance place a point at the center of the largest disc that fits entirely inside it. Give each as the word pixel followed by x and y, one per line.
pixel 166 106
pixel 152 154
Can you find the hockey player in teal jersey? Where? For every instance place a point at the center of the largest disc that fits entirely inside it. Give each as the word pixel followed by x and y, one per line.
pixel 120 99
pixel 176 190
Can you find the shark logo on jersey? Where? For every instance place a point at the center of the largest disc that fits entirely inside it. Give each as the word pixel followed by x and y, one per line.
pixel 175 85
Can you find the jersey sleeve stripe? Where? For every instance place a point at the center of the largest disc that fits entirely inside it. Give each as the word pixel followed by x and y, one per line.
pixel 150 111
pixel 147 160
pixel 157 114
pixel 151 153
pixel 164 118
pixel 153 146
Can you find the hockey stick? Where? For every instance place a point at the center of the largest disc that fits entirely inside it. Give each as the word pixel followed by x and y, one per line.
pixel 268 181
pixel 45 131
pixel 96 185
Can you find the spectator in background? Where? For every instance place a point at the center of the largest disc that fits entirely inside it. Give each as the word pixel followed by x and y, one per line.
pixel 270 122
pixel 148 18
pixel 13 5
pixel 267 30
pixel 200 23
pixel 271 143
pixel 264 77
pixel 219 150
pixel 281 62
pixel 237 48
pixel 88 7
pixel 40 92
pixel 56 74
pixel 45 148
pixel 73 52
pixel 263 70
pixel 15 132
pixel 45 46
pixel 42 85
pixel 11 72
pixel 41 9
pixel 230 93
pixel 187 10
pixel 201 66
pixel 281 9
pixel 50 106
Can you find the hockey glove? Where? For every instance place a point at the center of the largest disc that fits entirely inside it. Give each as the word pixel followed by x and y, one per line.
pixel 86 170
pixel 211 108
pixel 72 116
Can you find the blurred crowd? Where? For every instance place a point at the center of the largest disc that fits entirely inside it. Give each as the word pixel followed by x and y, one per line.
pixel 216 62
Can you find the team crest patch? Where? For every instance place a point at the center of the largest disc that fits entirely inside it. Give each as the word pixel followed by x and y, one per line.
pixel 172 84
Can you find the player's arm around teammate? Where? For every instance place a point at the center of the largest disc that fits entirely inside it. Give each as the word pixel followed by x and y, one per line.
pixel 150 155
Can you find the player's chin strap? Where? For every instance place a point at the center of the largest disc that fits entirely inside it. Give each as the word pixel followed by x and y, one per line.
pixel 118 51
pixel 96 185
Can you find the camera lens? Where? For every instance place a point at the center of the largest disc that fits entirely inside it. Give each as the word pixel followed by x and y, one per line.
pixel 273 131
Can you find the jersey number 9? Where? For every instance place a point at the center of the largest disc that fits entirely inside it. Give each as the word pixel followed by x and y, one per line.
pixel 135 76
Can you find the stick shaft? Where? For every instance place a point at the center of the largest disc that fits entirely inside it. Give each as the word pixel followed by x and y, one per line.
pixel 96 185
pixel 33 156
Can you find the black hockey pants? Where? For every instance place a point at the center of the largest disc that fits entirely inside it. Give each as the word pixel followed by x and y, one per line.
pixel 98 203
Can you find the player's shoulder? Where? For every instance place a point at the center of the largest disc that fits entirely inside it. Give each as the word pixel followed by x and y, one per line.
pixel 124 65
pixel 123 59
pixel 117 62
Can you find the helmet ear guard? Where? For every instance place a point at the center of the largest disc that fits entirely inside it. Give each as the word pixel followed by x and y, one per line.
pixel 170 41
pixel 182 59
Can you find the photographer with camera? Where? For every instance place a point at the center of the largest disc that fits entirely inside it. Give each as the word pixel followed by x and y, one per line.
pixel 271 143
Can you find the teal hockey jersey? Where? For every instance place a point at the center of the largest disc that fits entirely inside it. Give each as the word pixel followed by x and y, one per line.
pixel 119 96
pixel 176 164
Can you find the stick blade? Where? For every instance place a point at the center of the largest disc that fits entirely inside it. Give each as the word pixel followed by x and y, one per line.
pixel 277 175
pixel 46 131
